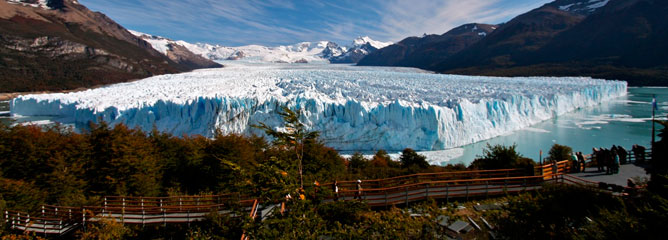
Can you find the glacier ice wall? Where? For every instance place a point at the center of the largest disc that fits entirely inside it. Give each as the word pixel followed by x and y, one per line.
pixel 354 108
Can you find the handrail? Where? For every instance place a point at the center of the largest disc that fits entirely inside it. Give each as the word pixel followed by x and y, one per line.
pixel 435 173
pixel 147 210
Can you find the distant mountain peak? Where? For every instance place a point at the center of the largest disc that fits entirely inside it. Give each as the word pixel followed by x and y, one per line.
pixel 360 41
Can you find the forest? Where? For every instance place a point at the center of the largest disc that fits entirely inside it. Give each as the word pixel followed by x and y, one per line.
pixel 54 165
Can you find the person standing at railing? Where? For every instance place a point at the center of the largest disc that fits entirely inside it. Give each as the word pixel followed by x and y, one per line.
pixel 607 160
pixel 358 193
pixel 615 162
pixel 335 189
pixel 574 162
pixel 581 162
pixel 596 158
pixel 555 168
pixel 622 154
pixel 640 157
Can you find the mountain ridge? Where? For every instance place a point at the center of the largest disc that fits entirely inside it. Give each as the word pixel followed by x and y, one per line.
pixel 610 39
pixel 60 44
pixel 303 52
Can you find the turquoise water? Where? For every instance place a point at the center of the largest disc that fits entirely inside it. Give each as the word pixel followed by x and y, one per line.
pixel 623 121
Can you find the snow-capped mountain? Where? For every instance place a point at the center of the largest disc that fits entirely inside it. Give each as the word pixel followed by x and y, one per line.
pixel 176 51
pixel 304 52
pixel 361 47
pixel 361 41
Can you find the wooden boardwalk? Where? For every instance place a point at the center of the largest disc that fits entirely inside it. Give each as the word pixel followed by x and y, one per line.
pixel 402 190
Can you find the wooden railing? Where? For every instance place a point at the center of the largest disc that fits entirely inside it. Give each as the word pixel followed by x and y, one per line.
pixel 423 177
pixel 547 170
pixel 447 190
pixel 127 210
pixel 376 193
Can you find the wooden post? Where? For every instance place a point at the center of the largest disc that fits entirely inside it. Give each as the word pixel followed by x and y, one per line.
pixel 406 194
pixel 385 198
pixel 487 189
pixel 188 217
pixel 467 192
pixel 447 192
pixel 427 195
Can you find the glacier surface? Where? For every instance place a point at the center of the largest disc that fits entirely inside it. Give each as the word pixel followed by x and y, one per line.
pixel 354 108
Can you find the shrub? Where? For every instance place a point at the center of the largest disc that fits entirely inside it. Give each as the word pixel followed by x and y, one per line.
pixel 501 157
pixel 560 152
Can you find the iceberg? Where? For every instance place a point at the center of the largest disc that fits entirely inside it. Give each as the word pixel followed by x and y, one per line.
pixel 354 108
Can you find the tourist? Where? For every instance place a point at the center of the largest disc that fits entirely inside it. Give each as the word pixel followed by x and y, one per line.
pixel 555 169
pixel 615 163
pixel 622 154
pixel 595 157
pixel 607 160
pixel 640 157
pixel 335 189
pixel 581 159
pixel 574 162
pixel 358 193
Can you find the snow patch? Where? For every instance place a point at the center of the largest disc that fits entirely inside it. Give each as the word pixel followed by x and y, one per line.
pixel 589 6
pixel 354 108
pixel 40 4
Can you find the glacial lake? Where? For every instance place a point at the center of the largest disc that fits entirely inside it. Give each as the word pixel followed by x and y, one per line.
pixel 623 121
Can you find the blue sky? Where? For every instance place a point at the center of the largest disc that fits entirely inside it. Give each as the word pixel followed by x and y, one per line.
pixel 282 22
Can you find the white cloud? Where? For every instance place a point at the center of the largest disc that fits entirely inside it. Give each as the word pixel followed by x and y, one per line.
pixel 240 22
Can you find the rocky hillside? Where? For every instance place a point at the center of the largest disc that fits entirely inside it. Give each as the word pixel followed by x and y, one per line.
pixel 60 44
pixel 176 52
pixel 611 39
pixel 422 51
pixel 616 39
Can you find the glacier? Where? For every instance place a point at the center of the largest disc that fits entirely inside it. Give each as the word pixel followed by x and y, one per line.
pixel 354 108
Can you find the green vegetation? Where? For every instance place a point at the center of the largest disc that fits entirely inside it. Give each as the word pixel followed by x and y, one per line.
pixel 53 165
pixel 502 157
pixel 560 152
pixel 56 166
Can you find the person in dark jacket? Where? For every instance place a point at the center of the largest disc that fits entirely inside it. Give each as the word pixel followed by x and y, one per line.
pixel 622 154
pixel 581 162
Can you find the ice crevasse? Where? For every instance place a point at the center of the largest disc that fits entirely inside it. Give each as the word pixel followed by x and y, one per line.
pixel 354 108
